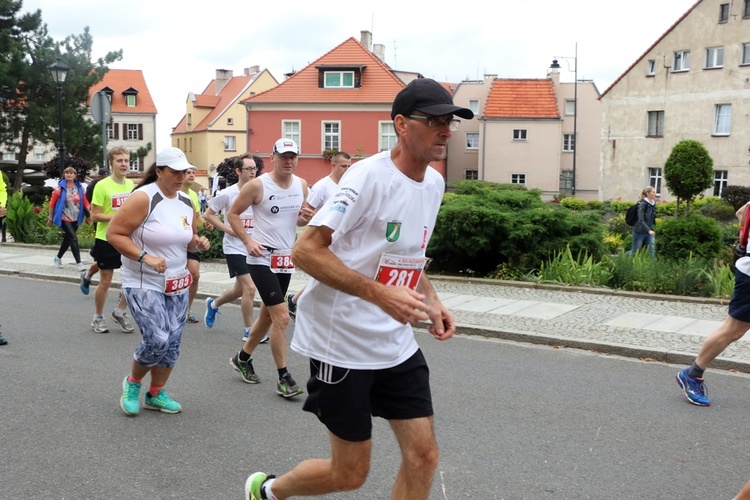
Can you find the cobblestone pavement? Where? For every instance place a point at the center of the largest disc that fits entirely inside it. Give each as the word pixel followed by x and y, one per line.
pixel 663 328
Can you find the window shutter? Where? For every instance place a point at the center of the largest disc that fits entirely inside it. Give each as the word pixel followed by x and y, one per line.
pixel 140 131
pixel 321 83
pixel 116 128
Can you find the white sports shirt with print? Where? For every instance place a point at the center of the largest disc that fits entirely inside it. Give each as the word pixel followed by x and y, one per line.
pixel 321 191
pixel 376 210
pixel 222 202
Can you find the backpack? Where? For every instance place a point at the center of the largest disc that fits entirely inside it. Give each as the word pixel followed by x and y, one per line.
pixel 631 216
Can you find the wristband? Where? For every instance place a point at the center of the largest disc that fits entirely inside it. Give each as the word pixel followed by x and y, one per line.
pixel 140 258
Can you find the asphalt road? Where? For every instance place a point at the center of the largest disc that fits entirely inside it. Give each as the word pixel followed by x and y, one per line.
pixel 513 420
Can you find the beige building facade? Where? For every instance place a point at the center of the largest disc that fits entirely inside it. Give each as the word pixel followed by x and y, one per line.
pixel 692 83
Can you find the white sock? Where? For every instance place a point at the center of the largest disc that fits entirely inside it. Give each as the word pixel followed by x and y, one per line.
pixel 247 330
pixel 213 305
pixel 267 487
pixel 120 312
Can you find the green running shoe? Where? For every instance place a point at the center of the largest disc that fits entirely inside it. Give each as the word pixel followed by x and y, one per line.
pixel 254 484
pixel 245 368
pixel 287 387
pixel 129 402
pixel 162 403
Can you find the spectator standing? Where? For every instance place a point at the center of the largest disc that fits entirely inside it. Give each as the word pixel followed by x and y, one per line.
pixel 68 207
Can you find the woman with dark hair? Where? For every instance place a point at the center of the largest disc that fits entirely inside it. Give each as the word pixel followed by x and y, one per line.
pixel 153 230
pixel 67 209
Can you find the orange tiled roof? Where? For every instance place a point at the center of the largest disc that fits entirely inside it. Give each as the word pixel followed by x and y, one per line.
pixel 120 80
pixel 521 98
pixel 379 84
pixel 219 102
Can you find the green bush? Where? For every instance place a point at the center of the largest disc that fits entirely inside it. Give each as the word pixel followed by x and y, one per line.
pixel 621 206
pixel 216 238
pixel 667 208
pixel 613 242
pixel 718 210
pixel 617 225
pixel 595 205
pixel 730 234
pixel 478 187
pixel 20 219
pixel 679 238
pixel 575 271
pixel 641 273
pixel 736 195
pixel 573 203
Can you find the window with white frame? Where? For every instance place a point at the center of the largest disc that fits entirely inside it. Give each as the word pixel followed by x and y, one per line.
pixel 134 165
pixel 655 124
pixel 723 119
pixel 518 178
pixel 570 107
pixel 474 106
pixel 746 10
pixel 338 79
pixel 714 57
pixel 39 156
pixel 130 101
pixel 723 12
pixel 9 156
pixel 230 143
pixel 472 140
pixel 721 180
pixel 520 134
pixel 230 121
pixel 290 129
pixel 132 131
pixel 331 135
pixel 566 180
pixel 110 131
pixel 654 179
pixel 569 143
pixel 387 136
pixel 471 175
pixel 651 67
pixel 746 53
pixel 681 60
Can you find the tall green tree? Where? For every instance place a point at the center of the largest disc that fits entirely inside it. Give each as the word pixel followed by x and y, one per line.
pixel 688 171
pixel 30 110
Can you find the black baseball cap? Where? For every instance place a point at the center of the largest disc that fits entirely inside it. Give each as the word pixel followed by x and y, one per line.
pixel 429 97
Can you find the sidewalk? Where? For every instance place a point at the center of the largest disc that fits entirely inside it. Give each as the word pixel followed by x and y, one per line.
pixel 657 327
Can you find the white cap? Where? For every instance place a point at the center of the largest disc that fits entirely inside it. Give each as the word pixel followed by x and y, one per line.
pixel 173 158
pixel 285 146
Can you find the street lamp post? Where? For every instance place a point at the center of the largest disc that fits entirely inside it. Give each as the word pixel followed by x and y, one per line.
pixel 59 71
pixel 575 114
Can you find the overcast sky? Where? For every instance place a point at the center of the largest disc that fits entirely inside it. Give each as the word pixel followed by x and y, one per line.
pixel 179 44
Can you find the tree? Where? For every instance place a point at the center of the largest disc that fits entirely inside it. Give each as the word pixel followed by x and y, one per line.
pixel 689 170
pixel 29 111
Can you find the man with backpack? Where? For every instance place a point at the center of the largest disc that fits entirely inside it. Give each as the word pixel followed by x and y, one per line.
pixel 643 225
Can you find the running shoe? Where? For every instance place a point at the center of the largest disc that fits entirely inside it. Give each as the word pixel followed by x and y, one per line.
pixel 210 316
pixel 85 283
pixel 80 266
pixel 191 317
pixel 287 387
pixel 99 325
pixel 3 340
pixel 58 262
pixel 254 484
pixel 245 368
pixel 123 321
pixel 291 306
pixel 265 340
pixel 695 389
pixel 161 402
pixel 130 394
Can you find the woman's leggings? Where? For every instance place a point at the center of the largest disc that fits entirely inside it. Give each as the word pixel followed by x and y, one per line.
pixel 70 240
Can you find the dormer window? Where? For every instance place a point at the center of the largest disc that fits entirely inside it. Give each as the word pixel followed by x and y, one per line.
pixel 130 97
pixel 340 77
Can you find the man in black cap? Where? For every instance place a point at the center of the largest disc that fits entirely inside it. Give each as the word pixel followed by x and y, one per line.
pixel 365 250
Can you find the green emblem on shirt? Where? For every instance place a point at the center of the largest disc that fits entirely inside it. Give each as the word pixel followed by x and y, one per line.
pixel 393 231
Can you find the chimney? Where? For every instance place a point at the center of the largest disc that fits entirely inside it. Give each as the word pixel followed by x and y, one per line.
pixel 554 72
pixel 252 70
pixel 379 50
pixel 222 78
pixel 366 39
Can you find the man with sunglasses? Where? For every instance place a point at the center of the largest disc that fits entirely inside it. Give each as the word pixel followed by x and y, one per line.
pixel 246 168
pixel 365 250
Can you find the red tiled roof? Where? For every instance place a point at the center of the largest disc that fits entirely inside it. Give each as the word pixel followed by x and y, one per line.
pixel 379 84
pixel 521 98
pixel 120 80
pixel 651 47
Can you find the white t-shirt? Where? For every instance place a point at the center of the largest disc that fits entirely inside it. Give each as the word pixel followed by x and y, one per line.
pixel 222 203
pixel 376 210
pixel 166 232
pixel 321 191
pixel 276 217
